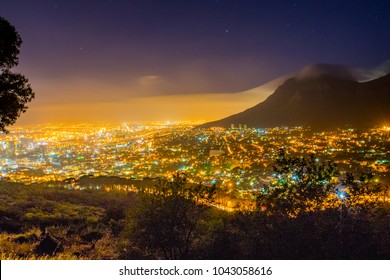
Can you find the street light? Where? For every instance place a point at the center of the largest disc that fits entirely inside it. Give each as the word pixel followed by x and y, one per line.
pixel 343 196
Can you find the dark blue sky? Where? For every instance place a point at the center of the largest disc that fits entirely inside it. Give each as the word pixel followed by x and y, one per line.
pixel 149 47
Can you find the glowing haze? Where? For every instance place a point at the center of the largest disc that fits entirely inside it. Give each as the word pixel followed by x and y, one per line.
pixel 181 60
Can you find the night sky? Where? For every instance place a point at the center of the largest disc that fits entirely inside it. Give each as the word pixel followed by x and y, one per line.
pixel 166 60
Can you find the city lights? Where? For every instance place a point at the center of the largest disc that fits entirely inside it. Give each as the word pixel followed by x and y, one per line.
pixel 236 158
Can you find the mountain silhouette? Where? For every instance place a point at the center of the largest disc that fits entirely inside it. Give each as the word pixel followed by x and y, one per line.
pixel 321 97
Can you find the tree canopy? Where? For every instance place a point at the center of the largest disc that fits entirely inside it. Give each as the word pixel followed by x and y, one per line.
pixel 167 217
pixel 15 91
pixel 307 184
pixel 301 184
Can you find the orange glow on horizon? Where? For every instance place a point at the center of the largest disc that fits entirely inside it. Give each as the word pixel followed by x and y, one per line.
pixel 193 107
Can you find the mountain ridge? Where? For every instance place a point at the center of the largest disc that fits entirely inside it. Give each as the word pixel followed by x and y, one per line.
pixel 322 101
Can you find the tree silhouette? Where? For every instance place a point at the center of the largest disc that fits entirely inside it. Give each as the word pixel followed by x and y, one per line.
pixel 166 218
pixel 301 184
pixel 360 191
pixel 15 91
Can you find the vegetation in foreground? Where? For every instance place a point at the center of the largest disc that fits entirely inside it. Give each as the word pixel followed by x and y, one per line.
pixel 304 214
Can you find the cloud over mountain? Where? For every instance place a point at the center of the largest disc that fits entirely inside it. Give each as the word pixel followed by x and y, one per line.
pixel 323 95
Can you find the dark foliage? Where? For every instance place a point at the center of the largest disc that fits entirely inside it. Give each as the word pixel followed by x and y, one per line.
pixel 173 220
pixel 15 91
pixel 301 184
pixel 10 43
pixel 166 219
